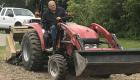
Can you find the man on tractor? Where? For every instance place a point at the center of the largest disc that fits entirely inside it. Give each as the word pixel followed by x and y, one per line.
pixel 50 19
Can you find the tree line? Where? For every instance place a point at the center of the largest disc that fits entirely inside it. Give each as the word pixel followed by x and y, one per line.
pixel 118 16
pixel 13 3
pixel 29 4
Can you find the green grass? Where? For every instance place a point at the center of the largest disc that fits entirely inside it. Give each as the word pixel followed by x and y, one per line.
pixel 127 43
pixel 2 51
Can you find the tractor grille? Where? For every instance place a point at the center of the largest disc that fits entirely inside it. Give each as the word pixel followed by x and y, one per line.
pixel 90 41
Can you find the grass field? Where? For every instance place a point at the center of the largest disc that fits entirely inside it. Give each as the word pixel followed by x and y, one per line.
pixel 127 43
pixel 124 42
pixel 2 51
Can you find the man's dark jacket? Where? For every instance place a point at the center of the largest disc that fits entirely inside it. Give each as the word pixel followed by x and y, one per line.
pixel 49 18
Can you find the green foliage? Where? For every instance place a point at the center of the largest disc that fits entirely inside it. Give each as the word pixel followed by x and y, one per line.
pixel 132 17
pixel 13 3
pixel 81 12
pixel 118 16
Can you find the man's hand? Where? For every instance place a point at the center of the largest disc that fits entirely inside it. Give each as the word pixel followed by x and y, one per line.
pixel 58 18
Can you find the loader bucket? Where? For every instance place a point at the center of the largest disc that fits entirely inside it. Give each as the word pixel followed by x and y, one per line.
pixel 107 62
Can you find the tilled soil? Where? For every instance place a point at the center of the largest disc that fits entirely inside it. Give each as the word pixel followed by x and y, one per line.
pixel 12 72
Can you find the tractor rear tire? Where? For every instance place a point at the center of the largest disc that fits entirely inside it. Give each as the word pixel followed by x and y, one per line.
pixel 31 51
pixel 57 67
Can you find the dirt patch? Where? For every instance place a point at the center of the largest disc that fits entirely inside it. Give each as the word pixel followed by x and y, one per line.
pixel 3 77
pixel 12 72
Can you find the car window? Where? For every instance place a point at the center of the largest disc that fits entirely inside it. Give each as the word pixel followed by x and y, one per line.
pixel 0 9
pixel 23 12
pixel 3 11
pixel 9 11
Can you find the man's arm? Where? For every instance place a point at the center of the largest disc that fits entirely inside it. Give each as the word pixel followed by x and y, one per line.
pixel 44 21
pixel 64 18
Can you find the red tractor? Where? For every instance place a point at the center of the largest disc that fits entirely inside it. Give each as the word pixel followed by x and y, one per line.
pixel 79 50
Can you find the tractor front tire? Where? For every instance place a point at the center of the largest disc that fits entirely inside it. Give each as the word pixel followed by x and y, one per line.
pixel 31 51
pixel 57 67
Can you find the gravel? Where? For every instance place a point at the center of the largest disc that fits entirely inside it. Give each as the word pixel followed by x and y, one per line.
pixel 12 72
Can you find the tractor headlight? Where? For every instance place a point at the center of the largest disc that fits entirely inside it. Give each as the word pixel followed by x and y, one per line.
pixel 90 46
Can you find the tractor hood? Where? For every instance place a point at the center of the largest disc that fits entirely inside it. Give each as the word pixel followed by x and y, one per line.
pixel 83 31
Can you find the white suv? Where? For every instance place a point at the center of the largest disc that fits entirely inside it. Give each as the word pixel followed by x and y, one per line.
pixel 16 17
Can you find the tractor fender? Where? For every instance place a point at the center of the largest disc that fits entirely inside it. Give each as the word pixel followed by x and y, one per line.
pixel 40 31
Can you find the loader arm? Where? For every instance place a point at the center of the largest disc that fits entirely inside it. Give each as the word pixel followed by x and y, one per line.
pixel 108 36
